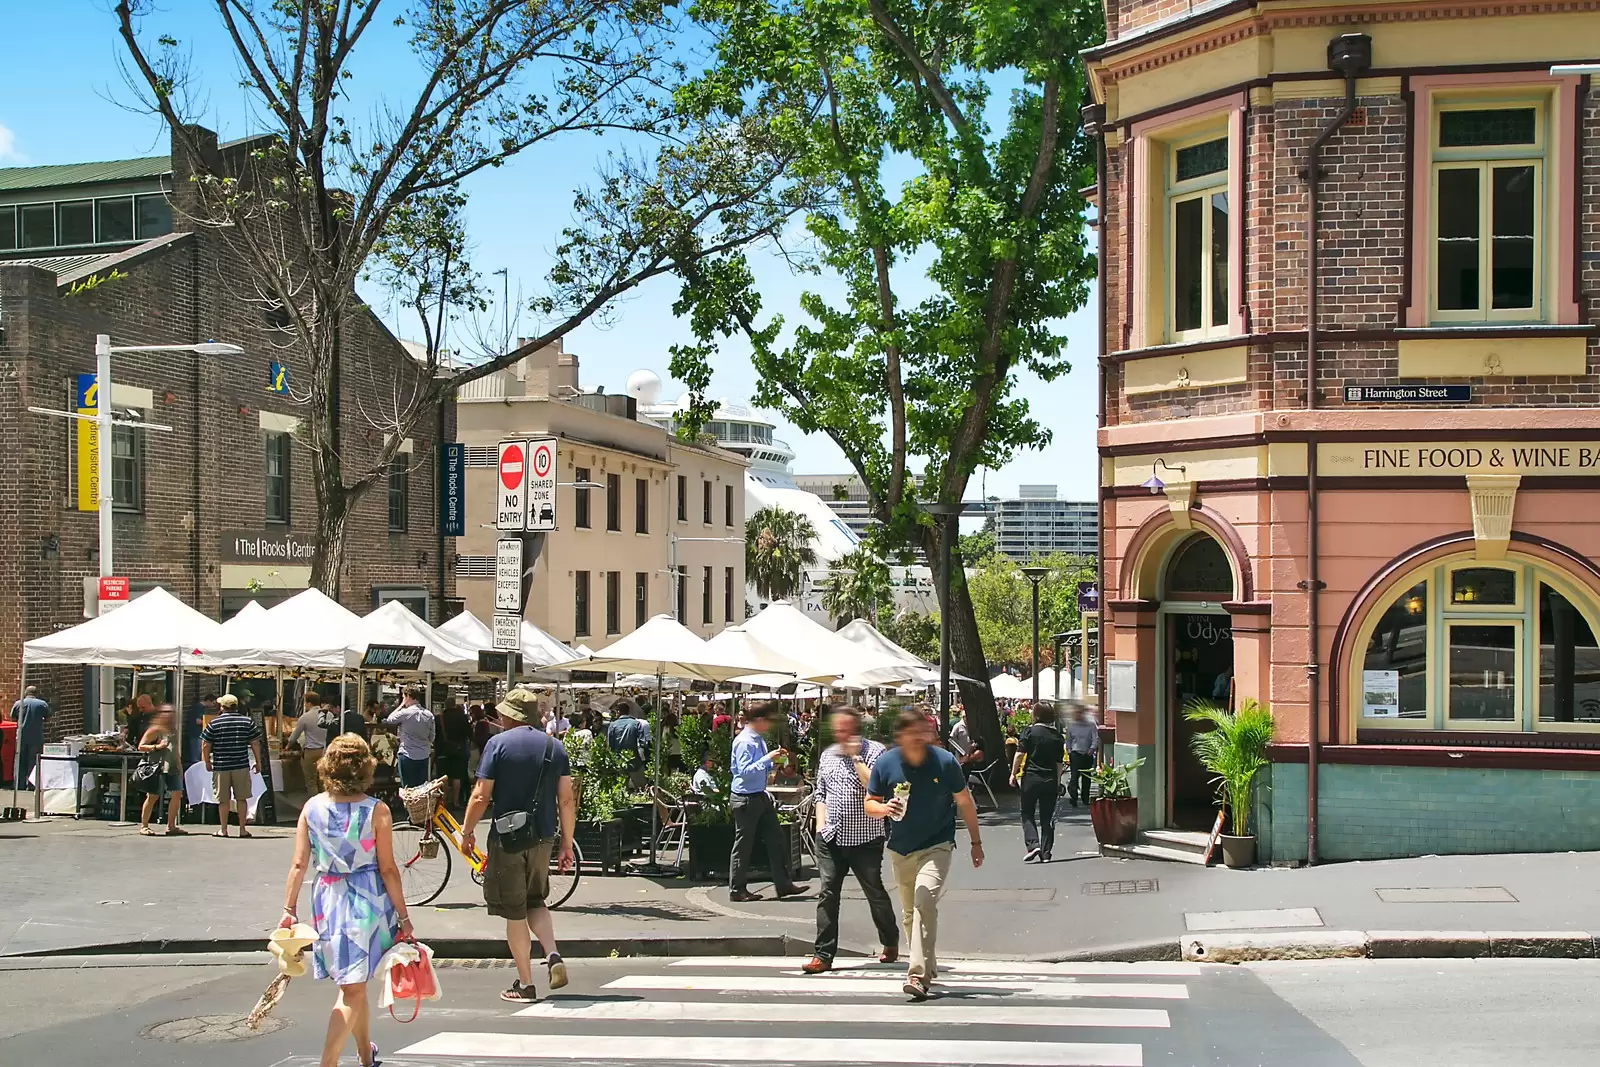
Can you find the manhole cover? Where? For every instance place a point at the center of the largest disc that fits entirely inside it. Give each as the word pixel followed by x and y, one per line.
pixel 212 1029
pixel 1111 889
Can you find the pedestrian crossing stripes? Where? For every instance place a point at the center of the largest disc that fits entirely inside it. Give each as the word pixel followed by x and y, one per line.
pixel 986 1013
pixel 773 1050
pixel 917 1014
pixel 1062 989
pixel 1152 969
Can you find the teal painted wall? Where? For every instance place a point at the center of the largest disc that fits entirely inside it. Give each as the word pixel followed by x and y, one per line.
pixel 1384 812
pixel 1143 780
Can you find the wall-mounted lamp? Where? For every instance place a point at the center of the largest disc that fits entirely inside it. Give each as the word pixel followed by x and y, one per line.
pixel 50 545
pixel 1154 482
pixel 422 559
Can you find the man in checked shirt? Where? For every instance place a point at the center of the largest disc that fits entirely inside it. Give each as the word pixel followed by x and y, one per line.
pixel 848 840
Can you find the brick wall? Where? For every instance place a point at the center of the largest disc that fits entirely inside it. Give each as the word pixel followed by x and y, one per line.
pixel 1362 260
pixel 207 475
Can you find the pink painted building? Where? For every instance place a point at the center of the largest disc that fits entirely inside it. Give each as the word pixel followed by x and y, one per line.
pixel 1376 511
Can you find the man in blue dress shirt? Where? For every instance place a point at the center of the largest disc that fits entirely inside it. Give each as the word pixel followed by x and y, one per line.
pixel 754 814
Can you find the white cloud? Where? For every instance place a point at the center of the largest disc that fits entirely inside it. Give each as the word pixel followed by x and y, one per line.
pixel 8 147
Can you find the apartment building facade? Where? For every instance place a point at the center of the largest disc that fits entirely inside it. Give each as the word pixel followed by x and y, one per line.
pixel 1349 419
pixel 647 524
pixel 1035 524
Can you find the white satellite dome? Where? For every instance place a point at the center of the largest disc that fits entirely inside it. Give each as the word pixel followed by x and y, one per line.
pixel 644 386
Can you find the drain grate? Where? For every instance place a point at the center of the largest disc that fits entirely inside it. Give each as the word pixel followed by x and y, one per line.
pixel 1112 889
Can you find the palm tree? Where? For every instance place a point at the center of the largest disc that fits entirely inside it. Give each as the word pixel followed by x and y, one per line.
pixel 858 584
pixel 777 548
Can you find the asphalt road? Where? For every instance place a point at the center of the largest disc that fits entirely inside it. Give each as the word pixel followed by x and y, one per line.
pixel 730 1011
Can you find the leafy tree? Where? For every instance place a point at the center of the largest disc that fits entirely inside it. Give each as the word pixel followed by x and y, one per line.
pixel 1002 601
pixel 904 367
pixel 915 632
pixel 777 549
pixel 977 545
pixel 858 586
pixel 358 181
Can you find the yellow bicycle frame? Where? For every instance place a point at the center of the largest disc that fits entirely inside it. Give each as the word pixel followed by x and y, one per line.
pixel 450 830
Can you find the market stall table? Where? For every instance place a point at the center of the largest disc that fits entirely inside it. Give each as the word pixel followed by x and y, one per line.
pixel 87 762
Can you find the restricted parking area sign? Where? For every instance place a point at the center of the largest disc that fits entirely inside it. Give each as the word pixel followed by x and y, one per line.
pixel 511 513
pixel 541 488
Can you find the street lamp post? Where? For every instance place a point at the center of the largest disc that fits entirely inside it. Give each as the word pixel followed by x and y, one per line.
pixel 102 418
pixel 1035 574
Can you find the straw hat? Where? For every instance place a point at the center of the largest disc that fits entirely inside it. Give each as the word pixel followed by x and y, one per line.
pixel 288 946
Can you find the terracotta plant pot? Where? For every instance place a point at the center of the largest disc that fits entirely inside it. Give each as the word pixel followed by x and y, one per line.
pixel 1116 822
pixel 1238 851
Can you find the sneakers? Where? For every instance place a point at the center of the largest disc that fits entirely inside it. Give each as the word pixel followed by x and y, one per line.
pixel 1031 855
pixel 558 970
pixel 916 987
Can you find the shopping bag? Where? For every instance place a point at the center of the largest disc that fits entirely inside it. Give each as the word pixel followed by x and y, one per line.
pixel 408 974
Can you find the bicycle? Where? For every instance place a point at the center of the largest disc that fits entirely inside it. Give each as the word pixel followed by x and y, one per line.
pixel 424 860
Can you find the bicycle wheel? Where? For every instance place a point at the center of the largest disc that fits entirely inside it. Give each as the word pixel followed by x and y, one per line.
pixel 421 879
pixel 564 883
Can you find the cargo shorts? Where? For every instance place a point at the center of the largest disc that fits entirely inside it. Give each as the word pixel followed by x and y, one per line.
pixel 515 883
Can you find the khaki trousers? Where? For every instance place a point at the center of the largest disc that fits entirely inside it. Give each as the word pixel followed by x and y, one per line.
pixel 920 877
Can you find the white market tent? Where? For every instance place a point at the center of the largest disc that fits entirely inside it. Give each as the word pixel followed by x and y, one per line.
pixel 781 625
pixel 1009 687
pixel 665 647
pixel 246 613
pixel 539 649
pixel 1047 684
pixel 863 634
pixel 307 631
pixel 154 629
pixel 394 624
pixel 740 646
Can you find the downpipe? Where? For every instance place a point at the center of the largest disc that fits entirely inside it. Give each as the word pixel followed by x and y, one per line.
pixel 1350 54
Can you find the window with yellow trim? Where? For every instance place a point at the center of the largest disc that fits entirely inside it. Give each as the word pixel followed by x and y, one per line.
pixel 1489 207
pixel 1198 221
pixel 1472 645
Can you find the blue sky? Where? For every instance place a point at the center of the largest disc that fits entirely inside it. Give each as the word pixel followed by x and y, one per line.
pixel 60 102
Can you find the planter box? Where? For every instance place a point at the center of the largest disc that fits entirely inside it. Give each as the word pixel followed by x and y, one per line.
pixel 1116 822
pixel 601 843
pixel 711 849
pixel 636 829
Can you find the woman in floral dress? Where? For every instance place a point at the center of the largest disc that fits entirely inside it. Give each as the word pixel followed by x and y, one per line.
pixel 357 905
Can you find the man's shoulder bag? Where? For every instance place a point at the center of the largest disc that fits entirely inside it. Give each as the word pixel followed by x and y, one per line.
pixel 517 831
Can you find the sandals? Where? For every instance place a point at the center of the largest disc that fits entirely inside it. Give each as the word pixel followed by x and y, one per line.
pixel 519 993
pixel 145 831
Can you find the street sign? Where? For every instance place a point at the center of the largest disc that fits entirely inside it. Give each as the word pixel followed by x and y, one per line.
pixel 497 664
pixel 542 484
pixel 1407 394
pixel 113 594
pixel 508 633
pixel 512 483
pixel 508 574
pixel 453 490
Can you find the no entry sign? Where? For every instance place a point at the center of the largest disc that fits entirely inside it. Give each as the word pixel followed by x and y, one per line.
pixel 511 513
pixel 542 484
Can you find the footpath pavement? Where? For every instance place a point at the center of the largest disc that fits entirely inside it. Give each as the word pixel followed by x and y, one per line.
pixel 91 886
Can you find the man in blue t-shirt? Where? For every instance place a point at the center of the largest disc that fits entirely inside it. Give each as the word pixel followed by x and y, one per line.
pixel 920 787
pixel 524 770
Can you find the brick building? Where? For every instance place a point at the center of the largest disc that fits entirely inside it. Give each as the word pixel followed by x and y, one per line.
pixel 220 510
pixel 1393 541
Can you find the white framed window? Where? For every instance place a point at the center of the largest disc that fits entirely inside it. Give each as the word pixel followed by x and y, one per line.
pixel 1198 226
pixel 1469 645
pixel 1488 244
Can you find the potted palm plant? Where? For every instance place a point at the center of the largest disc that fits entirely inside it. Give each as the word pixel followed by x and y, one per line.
pixel 1233 750
pixel 1115 814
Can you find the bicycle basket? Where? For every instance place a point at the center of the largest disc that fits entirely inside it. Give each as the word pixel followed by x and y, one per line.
pixel 421 800
pixel 428 848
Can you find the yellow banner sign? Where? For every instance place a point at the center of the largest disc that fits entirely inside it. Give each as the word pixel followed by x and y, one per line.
pixel 88 463
pixel 1443 459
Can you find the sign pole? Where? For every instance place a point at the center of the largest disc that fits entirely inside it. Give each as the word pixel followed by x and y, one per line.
pixel 106 685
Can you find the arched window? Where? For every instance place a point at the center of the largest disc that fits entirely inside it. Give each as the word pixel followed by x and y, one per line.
pixel 1474 645
pixel 1200 566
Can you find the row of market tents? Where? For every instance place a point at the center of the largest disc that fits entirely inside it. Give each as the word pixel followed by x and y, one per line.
pixel 311 633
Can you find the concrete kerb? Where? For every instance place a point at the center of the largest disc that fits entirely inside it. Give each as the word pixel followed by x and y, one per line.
pixel 1247 946
pixel 473 948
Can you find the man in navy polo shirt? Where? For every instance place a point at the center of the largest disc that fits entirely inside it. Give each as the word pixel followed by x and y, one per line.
pixel 919 787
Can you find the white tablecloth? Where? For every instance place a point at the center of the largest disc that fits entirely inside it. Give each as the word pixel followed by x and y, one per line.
pixel 198 788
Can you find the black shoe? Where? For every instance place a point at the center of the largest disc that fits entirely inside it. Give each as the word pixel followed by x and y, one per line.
pixel 793 891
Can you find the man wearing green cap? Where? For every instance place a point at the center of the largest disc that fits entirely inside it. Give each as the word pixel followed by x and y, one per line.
pixel 525 777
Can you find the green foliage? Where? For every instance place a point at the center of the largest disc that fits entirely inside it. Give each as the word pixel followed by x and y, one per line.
pixel 913 631
pixel 777 549
pixel 699 737
pixel 96 281
pixel 1002 600
pixel 858 586
pixel 977 545
pixel 1019 720
pixel 1113 778
pixel 602 782
pixel 1234 749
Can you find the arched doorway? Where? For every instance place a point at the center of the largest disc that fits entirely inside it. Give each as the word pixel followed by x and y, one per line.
pixel 1197 640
